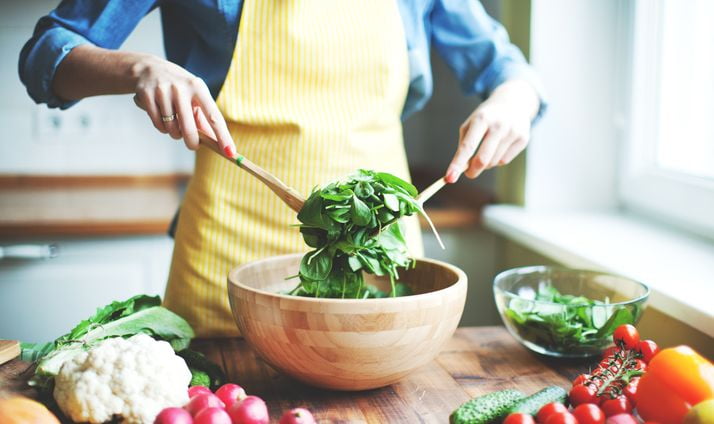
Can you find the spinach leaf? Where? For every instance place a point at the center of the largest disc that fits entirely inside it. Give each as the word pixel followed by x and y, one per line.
pixel 353 227
pixel 565 323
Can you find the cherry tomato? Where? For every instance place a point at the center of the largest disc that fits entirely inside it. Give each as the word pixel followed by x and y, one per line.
pixel 648 349
pixel 626 334
pixel 561 418
pixel 519 418
pixel 630 391
pixel 616 406
pixel 582 394
pixel 582 378
pixel 610 351
pixel 640 365
pixel 549 409
pixel 621 419
pixel 589 413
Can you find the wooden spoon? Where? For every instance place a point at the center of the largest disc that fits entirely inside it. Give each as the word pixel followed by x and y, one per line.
pixel 290 196
pixel 286 193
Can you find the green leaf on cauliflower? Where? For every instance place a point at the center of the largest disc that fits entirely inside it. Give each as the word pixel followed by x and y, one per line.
pixel 137 315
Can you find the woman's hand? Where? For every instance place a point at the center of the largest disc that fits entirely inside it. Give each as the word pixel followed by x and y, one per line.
pixel 497 131
pixel 161 88
pixel 166 90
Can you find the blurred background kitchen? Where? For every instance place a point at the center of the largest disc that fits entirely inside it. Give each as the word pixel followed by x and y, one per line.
pixel 619 175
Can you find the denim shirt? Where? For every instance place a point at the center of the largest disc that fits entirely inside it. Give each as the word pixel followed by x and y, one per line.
pixel 200 35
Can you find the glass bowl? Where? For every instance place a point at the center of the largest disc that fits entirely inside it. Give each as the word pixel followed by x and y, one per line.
pixel 564 312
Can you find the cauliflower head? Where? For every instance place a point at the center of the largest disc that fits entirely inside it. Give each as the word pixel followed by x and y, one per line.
pixel 133 379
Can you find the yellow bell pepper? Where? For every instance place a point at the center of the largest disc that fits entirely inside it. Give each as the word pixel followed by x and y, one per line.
pixel 677 379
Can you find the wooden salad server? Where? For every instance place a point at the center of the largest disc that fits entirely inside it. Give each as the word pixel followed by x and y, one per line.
pixel 287 194
pixel 430 191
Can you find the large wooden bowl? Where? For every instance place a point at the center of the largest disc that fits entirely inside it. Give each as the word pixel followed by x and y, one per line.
pixel 346 344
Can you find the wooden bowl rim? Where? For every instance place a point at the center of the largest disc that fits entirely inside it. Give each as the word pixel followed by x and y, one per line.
pixel 232 281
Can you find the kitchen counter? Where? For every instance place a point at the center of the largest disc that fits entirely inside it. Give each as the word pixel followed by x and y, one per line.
pixel 476 361
pixel 36 205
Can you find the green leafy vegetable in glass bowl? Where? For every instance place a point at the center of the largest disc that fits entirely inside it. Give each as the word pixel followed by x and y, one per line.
pixel 565 312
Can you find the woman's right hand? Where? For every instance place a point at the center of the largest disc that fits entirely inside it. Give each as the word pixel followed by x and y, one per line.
pixel 164 89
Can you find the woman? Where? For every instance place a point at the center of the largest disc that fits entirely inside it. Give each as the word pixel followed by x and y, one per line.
pixel 310 90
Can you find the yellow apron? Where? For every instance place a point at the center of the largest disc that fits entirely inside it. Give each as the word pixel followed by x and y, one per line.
pixel 315 91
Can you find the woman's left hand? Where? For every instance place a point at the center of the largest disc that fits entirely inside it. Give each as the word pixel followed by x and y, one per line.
pixel 496 132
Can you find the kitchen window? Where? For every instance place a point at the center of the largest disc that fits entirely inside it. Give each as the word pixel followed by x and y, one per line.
pixel 668 166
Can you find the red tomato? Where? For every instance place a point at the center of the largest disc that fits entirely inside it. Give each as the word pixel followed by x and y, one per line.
pixel 582 378
pixel 582 394
pixel 197 390
pixel 630 391
pixel 626 334
pixel 621 419
pixel 616 406
pixel 561 418
pixel 640 365
pixel 549 409
pixel 519 418
pixel 589 413
pixel 648 349
pixel 610 351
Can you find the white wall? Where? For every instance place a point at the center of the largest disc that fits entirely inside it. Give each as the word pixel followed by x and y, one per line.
pixel 571 161
pixel 118 138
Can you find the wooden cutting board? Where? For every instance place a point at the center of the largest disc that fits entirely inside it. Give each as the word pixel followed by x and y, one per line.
pixel 9 349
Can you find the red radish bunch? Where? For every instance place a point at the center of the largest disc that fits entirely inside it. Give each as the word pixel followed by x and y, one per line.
pixel 228 405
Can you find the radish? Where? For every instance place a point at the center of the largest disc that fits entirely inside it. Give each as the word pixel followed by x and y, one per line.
pixel 203 401
pixel 230 393
pixel 297 416
pixel 251 410
pixel 173 416
pixel 212 416
pixel 197 390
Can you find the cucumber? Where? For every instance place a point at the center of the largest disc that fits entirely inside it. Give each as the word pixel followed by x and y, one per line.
pixel 486 409
pixel 533 403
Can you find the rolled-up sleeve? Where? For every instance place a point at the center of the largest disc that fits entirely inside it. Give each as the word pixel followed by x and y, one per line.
pixel 477 49
pixel 104 23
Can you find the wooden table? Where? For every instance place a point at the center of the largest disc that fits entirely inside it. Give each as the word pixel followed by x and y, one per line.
pixel 476 361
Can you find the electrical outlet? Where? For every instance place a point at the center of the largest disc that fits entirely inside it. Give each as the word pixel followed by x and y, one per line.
pixel 49 124
pixel 73 125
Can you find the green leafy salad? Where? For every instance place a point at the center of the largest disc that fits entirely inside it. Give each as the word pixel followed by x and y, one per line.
pixel 565 322
pixel 349 226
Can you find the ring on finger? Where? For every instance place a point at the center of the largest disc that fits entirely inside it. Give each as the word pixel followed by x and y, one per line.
pixel 168 118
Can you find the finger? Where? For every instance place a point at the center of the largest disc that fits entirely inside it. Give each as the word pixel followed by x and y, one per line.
pixel 485 153
pixel 166 108
pixel 201 121
pixel 144 100
pixel 186 121
pixel 501 150
pixel 467 146
pixel 215 121
pixel 513 151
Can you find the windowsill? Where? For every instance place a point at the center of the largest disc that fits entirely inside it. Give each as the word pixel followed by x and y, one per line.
pixel 678 268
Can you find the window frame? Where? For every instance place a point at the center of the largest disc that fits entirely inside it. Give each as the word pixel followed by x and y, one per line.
pixel 682 200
